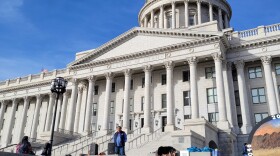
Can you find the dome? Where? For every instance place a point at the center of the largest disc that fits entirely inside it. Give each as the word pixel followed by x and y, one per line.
pixel 175 14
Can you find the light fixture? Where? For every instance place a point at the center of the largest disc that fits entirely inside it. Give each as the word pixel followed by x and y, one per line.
pixel 136 124
pixel 58 86
pixel 99 127
pixel 179 121
pixel 156 122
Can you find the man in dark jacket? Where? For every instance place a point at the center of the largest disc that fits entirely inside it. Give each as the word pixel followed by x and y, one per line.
pixel 119 139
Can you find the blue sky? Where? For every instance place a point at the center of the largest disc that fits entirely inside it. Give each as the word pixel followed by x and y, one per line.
pixel 36 34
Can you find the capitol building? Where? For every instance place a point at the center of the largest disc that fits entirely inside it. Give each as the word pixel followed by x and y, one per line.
pixel 184 76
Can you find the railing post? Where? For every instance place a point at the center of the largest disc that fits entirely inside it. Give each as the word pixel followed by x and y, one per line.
pixel 261 31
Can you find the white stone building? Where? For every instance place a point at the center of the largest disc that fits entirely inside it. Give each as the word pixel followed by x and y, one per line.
pixel 183 69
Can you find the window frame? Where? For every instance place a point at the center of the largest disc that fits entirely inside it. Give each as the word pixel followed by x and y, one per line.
pixel 255 72
pixel 277 68
pixel 262 115
pixel 163 79
pixel 96 88
pixel 131 105
pixel 215 117
pixel 113 87
pixel 94 109
pixel 212 72
pixel 142 103
pixel 186 76
pixel 258 95
pixel 237 97
pixel 215 96
pixel 143 82
pixel 131 84
pixel 112 107
pixel 187 97
pixel 163 101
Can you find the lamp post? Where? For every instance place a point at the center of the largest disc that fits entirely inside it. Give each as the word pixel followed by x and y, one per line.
pixel 58 86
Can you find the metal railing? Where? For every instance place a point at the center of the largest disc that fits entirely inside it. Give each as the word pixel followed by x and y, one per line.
pixel 11 145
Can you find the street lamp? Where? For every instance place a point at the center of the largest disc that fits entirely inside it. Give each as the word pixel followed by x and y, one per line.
pixel 58 86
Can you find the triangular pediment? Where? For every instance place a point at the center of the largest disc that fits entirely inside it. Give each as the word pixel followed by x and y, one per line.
pixel 141 39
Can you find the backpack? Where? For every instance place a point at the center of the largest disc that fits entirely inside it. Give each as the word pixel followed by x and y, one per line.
pixel 22 148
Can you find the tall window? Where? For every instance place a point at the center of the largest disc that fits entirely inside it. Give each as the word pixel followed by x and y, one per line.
pixel 169 20
pixel 187 98
pixel 237 98
pixel 213 118
pixel 186 76
pixel 96 90
pixel 163 79
pixel 255 72
pixel 94 109
pixel 143 82
pixel 239 120
pixel 258 95
pixel 234 75
pixel 210 72
pixel 277 69
pixel 260 116
pixel 131 84
pixel 112 105
pixel 163 101
pixel 192 20
pixel 142 103
pixel 131 105
pixel 113 87
pixel 212 95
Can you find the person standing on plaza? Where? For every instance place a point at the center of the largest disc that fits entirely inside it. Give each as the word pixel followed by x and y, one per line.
pixel 245 150
pixel 119 139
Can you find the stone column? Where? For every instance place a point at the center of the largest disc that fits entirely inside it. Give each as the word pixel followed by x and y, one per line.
pixel 36 116
pixel 223 121
pixel 220 18
pixel 173 15
pixel 226 21
pixel 109 78
pixel 210 12
pixel 58 114
pixel 11 122
pixel 161 16
pixel 170 96
pixel 199 11
pixel 193 82
pixel 147 104
pixel 91 83
pixel 145 22
pixel 23 117
pixel 127 76
pixel 64 110
pixel 186 2
pixel 71 116
pixel 81 89
pixel 247 125
pixel 2 111
pixel 152 19
pixel 50 112
pixel 230 97
pixel 271 95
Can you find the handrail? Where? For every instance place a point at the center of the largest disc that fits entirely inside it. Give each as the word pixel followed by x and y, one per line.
pixel 1 149
pixel 80 138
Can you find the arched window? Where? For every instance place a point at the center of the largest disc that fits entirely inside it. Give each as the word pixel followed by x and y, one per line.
pixel 213 145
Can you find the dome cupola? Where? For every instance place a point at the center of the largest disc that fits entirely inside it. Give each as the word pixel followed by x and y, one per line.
pixel 176 14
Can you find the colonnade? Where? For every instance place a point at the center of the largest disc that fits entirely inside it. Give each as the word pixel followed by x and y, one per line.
pixel 223 17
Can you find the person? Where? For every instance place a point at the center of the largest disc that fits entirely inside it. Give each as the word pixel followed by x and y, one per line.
pixel 46 150
pixel 245 150
pixel 24 147
pixel 119 139
pixel 166 151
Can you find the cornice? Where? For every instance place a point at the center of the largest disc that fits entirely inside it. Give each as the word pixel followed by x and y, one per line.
pixel 256 43
pixel 183 45
pixel 132 33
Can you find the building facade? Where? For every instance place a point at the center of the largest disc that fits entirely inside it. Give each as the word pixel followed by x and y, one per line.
pixel 182 64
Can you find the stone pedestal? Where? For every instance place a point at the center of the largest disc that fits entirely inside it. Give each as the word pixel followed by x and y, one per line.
pixel 186 138
pixel 227 141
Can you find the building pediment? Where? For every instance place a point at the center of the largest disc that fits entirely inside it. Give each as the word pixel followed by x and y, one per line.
pixel 141 39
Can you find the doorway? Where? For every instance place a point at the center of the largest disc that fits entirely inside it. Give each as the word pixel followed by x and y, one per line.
pixel 164 122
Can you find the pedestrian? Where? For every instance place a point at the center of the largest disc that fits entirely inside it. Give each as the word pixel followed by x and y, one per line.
pixel 47 149
pixel 119 139
pixel 166 151
pixel 245 150
pixel 24 147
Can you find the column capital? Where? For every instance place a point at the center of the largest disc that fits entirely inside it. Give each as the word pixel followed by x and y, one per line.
pixel 109 75
pixel 82 86
pixel 210 4
pixel 198 1
pixel 26 98
pixel 228 65
pixel 239 64
pixel 186 1
pixel 169 64
pixel 127 72
pixel 67 93
pixel 74 81
pixel 192 61
pixel 217 57
pixel 266 60
pixel 173 2
pixel 91 78
pixel 39 96
pixel 52 95
pixel 148 68
pixel 14 100
pixel 3 102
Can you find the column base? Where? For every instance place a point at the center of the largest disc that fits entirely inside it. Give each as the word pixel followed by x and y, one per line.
pixel 224 125
pixel 146 130
pixel 169 128
pixel 246 129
